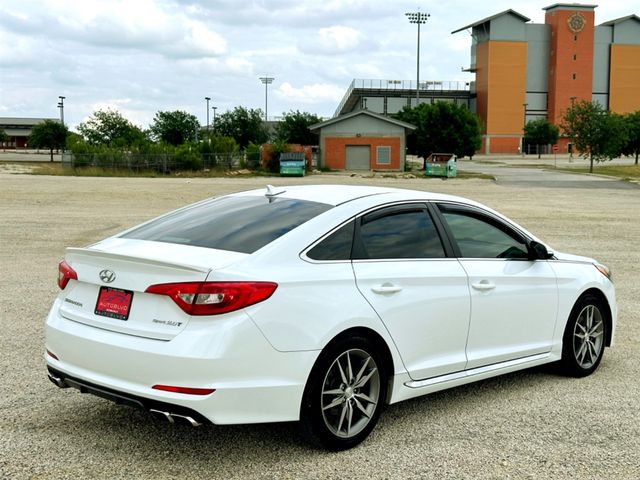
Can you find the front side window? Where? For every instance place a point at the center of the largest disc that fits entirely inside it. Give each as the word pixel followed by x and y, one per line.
pixel 481 237
pixel 404 233
pixel 238 224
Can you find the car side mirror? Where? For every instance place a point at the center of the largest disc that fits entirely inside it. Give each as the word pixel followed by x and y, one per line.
pixel 539 251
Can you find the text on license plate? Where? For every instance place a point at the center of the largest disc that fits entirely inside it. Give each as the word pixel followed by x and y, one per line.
pixel 114 303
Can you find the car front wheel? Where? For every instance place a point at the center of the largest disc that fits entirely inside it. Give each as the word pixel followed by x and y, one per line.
pixel 584 337
pixel 345 394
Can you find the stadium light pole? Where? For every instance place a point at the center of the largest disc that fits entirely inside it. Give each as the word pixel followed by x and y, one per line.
pixel 267 81
pixel 61 107
pixel 418 18
pixel 524 123
pixel 207 99
pixel 214 108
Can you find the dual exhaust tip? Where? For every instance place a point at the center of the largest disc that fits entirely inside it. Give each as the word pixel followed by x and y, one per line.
pixel 170 417
pixel 174 417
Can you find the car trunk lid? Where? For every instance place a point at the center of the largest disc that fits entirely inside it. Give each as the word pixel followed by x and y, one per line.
pixel 113 275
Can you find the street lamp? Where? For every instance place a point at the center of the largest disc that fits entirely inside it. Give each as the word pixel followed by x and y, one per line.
pixel 267 81
pixel 61 107
pixel 419 18
pixel 207 99
pixel 214 116
pixel 524 124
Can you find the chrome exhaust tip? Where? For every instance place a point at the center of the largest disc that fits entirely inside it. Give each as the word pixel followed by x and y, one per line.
pixel 161 414
pixel 185 419
pixel 58 382
pixel 174 417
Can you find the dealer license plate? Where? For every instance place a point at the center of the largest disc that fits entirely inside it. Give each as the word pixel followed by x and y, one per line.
pixel 114 303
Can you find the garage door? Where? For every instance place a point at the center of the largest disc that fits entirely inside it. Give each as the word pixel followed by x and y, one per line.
pixel 358 157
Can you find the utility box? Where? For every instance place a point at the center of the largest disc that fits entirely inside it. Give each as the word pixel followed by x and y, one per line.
pixel 441 165
pixel 292 164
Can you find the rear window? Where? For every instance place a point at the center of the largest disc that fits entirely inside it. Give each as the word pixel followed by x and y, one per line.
pixel 238 224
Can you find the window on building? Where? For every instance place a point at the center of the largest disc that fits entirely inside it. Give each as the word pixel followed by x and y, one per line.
pixel 574 76
pixel 575 57
pixel 383 155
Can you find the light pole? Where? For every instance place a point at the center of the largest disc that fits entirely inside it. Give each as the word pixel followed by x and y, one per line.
pixel 207 99
pixel 61 107
pixel 419 18
pixel 524 123
pixel 214 116
pixel 267 81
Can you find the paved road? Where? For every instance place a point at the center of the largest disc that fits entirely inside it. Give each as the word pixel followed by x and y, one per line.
pixel 507 174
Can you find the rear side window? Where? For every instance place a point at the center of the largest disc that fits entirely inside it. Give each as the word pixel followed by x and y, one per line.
pixel 336 246
pixel 238 224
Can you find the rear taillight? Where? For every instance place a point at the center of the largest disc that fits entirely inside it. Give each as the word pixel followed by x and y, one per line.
pixel 214 298
pixel 65 273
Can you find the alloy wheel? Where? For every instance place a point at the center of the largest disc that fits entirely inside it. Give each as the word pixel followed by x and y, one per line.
pixel 350 393
pixel 588 337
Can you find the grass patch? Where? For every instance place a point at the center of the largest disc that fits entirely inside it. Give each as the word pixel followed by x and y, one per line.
pixel 623 172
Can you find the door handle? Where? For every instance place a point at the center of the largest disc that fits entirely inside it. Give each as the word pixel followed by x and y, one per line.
pixel 484 285
pixel 386 288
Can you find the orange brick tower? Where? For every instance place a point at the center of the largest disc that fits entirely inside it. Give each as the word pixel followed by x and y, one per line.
pixel 570 56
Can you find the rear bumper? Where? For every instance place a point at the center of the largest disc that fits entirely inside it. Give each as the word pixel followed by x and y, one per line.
pixel 173 413
pixel 253 382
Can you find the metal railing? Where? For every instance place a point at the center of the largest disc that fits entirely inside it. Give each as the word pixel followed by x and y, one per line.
pixel 400 85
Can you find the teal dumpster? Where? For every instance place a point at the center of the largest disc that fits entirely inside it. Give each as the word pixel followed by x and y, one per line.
pixel 292 164
pixel 441 165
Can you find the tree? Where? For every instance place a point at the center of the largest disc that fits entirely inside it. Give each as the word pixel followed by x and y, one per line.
pixel 632 127
pixel 175 127
pixel 3 136
pixel 243 125
pixel 294 128
pixel 442 128
pixel 597 134
pixel 49 134
pixel 541 132
pixel 109 127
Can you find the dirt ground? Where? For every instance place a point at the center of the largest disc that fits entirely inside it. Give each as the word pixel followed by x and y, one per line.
pixel 531 424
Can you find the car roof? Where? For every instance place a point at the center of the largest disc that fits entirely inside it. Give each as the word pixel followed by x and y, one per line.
pixel 340 194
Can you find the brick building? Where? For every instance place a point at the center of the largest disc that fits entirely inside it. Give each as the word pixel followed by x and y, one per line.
pixel 18 130
pixel 363 140
pixel 526 71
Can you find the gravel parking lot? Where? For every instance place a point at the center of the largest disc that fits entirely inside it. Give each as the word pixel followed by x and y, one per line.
pixel 531 424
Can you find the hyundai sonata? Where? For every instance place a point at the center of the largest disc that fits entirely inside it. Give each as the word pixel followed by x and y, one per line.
pixel 319 304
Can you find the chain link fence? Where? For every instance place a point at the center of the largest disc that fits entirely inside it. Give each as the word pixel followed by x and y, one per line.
pixel 159 162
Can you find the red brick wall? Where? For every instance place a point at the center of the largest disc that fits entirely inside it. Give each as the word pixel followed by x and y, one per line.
pixel 334 151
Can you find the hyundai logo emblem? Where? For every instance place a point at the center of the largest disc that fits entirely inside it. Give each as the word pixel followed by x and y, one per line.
pixel 107 276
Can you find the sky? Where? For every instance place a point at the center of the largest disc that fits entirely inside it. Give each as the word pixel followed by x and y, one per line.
pixel 143 56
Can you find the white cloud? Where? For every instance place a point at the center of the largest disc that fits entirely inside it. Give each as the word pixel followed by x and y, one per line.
pixel 335 40
pixel 339 37
pixel 126 107
pixel 315 93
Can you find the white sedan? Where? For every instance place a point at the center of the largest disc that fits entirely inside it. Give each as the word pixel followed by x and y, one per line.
pixel 319 304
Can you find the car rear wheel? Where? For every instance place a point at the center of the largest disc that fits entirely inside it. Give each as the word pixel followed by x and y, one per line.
pixel 584 337
pixel 345 394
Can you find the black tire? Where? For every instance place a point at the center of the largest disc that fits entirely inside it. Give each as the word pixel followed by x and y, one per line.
pixel 584 337
pixel 340 409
